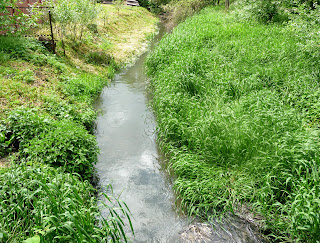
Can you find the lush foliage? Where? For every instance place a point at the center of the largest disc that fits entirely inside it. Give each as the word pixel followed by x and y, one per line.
pixel 18 22
pixel 67 145
pixel 237 108
pixel 22 126
pixel 267 11
pixel 47 119
pixel 59 143
pixel 54 206
pixel 74 16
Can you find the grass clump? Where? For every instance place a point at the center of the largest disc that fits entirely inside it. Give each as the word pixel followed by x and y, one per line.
pixel 236 119
pixel 54 206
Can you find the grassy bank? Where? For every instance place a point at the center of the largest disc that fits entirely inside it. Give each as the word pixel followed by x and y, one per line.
pixel 237 111
pixel 47 147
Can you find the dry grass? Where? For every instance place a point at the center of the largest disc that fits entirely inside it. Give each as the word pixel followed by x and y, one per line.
pixel 4 163
pixel 127 31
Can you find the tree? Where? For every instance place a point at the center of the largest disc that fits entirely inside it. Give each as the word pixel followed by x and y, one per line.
pixel 14 21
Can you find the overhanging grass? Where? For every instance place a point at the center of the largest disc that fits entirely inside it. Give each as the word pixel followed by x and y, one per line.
pixel 55 207
pixel 234 104
pixel 47 118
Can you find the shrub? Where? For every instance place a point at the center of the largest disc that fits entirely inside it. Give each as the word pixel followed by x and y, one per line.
pixel 19 47
pixel 69 145
pixel 21 126
pixel 8 22
pixel 264 11
pixel 79 113
pixel 73 17
pixel 46 203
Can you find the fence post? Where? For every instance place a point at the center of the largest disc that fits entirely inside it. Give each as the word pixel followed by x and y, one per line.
pixel 52 40
pixel 13 16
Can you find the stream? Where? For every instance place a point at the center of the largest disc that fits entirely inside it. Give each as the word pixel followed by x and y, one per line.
pixel 129 161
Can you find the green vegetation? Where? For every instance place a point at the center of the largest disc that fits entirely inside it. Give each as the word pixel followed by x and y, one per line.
pixel 47 150
pixel 46 203
pixel 237 108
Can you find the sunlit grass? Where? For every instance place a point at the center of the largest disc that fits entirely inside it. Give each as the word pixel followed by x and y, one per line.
pixel 236 104
pixel 47 118
pixel 56 207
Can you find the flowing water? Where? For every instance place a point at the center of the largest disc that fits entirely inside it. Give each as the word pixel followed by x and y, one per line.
pixel 129 161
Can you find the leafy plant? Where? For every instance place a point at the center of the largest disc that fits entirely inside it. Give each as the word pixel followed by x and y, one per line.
pixel 85 87
pixel 18 21
pixel 69 146
pixel 46 203
pixel 21 126
pixel 79 113
pixel 73 17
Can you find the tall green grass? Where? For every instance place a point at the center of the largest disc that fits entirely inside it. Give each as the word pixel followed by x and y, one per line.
pixel 55 207
pixel 237 112
pixel 56 203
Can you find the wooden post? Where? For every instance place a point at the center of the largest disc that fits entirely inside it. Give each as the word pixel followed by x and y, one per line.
pixel 52 39
pixel 227 4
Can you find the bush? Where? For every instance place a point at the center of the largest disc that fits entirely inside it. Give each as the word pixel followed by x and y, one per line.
pixel 21 126
pixel 263 11
pixel 19 47
pixel 69 146
pixel 79 113
pixel 54 206
pixel 74 16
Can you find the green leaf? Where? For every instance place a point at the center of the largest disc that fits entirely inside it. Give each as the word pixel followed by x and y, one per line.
pixel 34 239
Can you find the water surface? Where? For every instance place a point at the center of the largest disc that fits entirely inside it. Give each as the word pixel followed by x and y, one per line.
pixel 129 157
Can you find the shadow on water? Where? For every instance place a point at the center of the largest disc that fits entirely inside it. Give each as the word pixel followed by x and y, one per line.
pixel 129 161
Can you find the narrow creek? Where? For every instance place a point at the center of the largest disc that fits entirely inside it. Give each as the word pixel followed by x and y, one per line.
pixel 129 157
pixel 129 161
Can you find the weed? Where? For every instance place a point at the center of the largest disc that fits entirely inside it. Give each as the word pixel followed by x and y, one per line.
pixel 85 87
pixel 46 203
pixel 69 146
pixel 21 126
pixel 237 113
